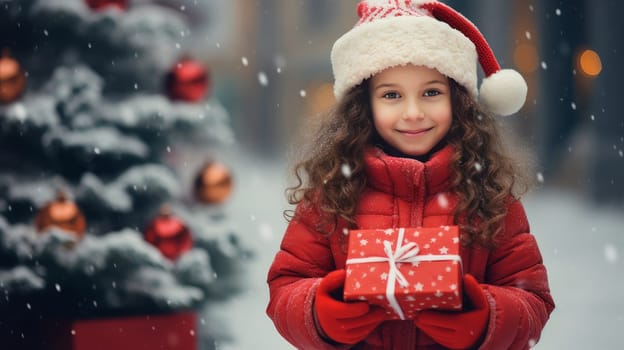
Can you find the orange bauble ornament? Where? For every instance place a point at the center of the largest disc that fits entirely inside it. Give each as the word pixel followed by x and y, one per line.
pixel 61 213
pixel 213 183
pixel 188 80
pixel 102 4
pixel 169 234
pixel 12 78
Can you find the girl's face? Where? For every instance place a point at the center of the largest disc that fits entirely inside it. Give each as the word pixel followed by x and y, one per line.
pixel 411 107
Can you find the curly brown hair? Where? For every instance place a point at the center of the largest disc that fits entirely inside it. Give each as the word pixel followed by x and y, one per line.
pixel 484 177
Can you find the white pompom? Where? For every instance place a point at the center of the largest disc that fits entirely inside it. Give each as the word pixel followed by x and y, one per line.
pixel 503 92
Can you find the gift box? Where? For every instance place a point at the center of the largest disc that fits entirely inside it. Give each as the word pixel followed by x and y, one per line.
pixel 405 270
pixel 176 331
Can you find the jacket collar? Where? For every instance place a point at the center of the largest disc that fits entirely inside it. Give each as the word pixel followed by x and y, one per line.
pixel 406 177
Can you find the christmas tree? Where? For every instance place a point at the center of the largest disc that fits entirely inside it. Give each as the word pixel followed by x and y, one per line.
pixel 111 185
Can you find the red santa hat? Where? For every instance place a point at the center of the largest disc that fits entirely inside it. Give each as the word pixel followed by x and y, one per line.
pixel 429 33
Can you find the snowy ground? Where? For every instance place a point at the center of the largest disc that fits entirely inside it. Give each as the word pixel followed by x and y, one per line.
pixel 582 247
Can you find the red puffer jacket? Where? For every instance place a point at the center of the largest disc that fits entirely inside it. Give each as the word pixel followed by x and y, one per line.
pixel 403 192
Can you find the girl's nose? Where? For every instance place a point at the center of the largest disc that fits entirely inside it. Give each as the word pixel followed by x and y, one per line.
pixel 413 110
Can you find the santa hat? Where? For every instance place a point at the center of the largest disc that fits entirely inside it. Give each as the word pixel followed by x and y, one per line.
pixel 429 33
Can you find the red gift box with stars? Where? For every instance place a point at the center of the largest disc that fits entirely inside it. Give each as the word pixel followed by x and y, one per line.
pixel 405 270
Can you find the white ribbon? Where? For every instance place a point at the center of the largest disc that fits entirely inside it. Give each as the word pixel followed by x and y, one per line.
pixel 403 254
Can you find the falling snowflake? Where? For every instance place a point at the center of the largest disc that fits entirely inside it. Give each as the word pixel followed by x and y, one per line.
pixel 442 201
pixel 302 93
pixel 346 170
pixel 611 253
pixel 544 65
pixel 540 178
pixel 244 61
pixel 263 79
pixel 266 232
pixel 558 12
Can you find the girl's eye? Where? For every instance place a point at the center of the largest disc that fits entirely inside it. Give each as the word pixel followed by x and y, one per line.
pixel 431 93
pixel 391 95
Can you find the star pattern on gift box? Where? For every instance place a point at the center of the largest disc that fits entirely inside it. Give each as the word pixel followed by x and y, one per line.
pixel 431 272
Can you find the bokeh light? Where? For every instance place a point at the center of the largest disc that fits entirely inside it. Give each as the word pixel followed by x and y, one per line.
pixel 589 63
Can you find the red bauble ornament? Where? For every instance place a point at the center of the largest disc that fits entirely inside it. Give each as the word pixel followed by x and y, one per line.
pixel 12 78
pixel 188 80
pixel 213 183
pixel 61 213
pixel 169 234
pixel 102 4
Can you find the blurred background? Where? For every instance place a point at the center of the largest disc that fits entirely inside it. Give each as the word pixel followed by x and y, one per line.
pixel 567 51
pixel 269 67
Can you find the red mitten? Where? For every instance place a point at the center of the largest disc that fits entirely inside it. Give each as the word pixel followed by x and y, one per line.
pixel 458 330
pixel 343 322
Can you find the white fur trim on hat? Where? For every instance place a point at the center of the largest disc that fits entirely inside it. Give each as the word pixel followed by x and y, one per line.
pixel 372 47
pixel 503 92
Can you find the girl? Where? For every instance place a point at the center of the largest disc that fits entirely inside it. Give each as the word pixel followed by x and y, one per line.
pixel 408 145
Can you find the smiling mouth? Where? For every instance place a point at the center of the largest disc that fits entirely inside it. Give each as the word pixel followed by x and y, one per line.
pixel 414 132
